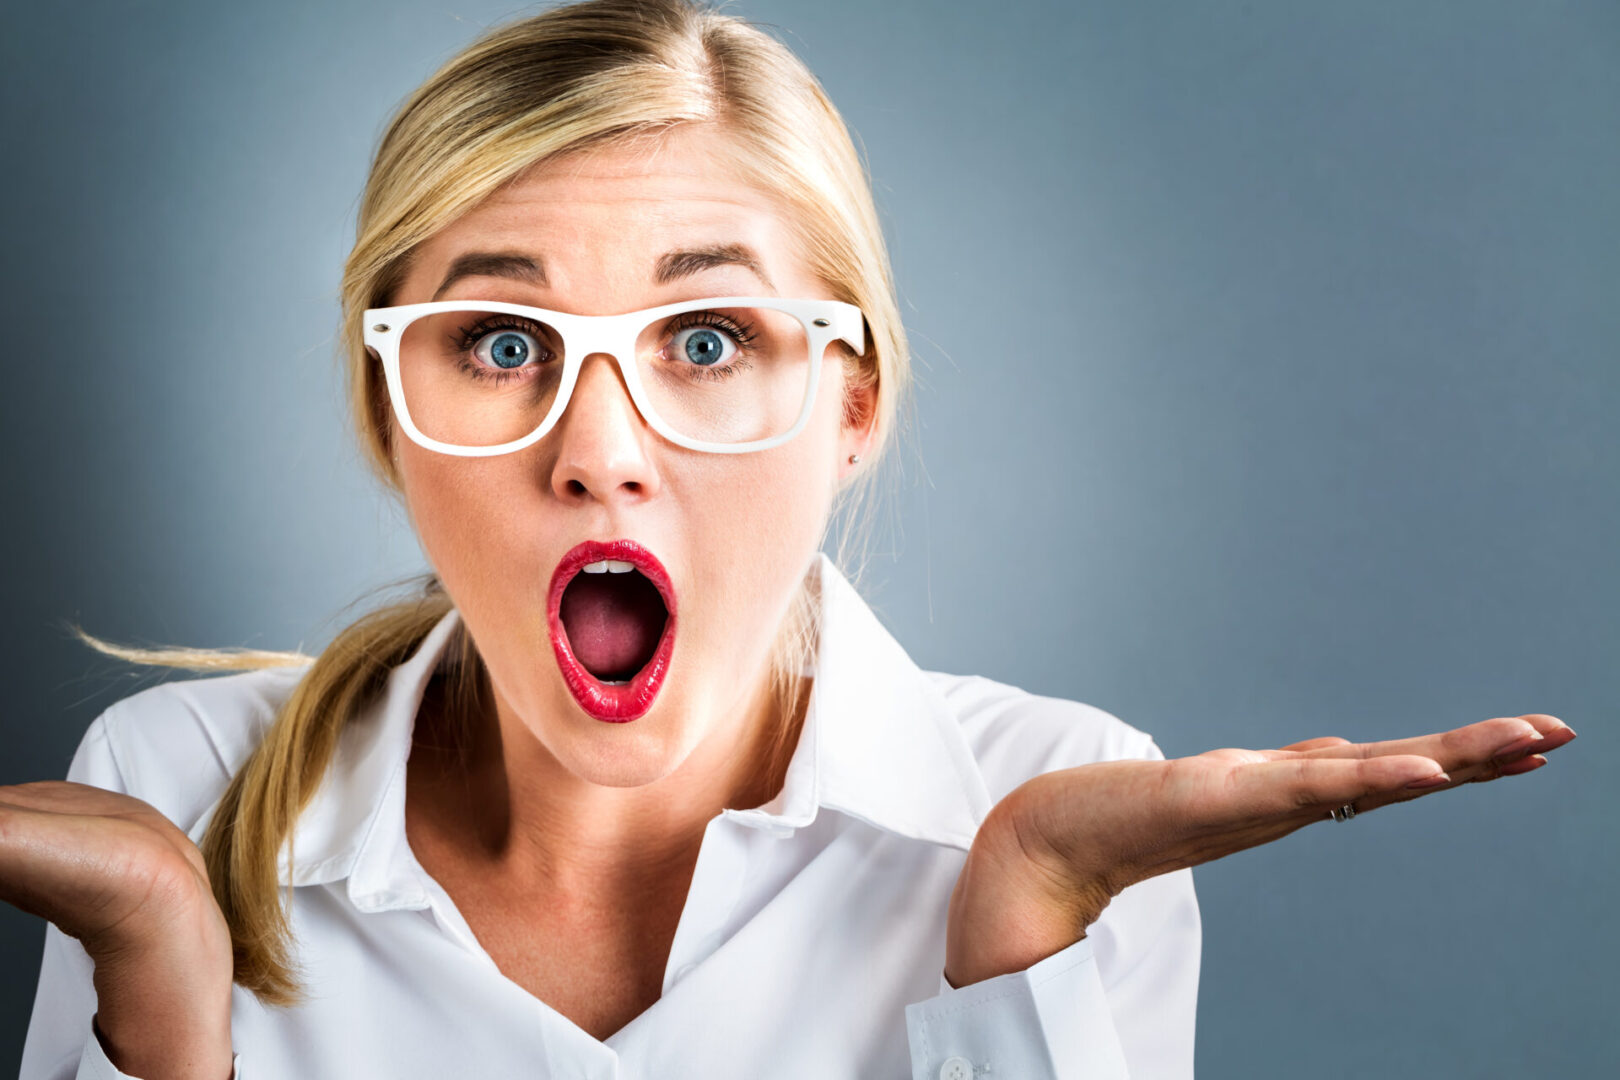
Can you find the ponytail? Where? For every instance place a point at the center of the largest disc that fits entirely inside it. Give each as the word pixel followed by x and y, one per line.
pixel 257 813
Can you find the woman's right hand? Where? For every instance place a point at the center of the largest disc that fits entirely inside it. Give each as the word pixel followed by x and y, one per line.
pixel 111 871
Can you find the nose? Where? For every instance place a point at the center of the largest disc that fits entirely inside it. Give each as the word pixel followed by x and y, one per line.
pixel 602 443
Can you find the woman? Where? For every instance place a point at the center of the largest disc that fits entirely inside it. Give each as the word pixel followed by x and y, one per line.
pixel 638 785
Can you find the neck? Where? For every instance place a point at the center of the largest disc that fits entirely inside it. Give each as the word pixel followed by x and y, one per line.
pixel 504 800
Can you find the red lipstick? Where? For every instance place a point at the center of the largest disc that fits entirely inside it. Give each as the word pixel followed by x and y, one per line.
pixel 611 704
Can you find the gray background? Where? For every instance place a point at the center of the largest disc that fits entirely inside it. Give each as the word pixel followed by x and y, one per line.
pixel 1268 390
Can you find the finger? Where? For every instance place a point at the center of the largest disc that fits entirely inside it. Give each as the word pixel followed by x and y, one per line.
pixel 1483 772
pixel 1523 765
pixel 1505 761
pixel 1316 744
pixel 1554 732
pixel 1507 738
pixel 1304 785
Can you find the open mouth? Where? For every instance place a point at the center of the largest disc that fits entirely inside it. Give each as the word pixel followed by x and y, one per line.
pixel 612 619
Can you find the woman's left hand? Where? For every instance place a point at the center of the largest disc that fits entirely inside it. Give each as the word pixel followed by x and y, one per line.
pixel 1051 855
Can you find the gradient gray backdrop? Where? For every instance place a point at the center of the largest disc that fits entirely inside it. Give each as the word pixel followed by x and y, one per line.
pixel 1268 389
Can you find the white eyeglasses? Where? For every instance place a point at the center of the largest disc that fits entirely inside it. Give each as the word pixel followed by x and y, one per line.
pixel 726 375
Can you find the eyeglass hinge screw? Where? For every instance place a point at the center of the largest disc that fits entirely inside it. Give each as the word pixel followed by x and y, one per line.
pixel 381 328
pixel 821 322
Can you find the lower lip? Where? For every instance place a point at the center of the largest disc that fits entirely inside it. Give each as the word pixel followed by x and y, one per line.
pixel 605 702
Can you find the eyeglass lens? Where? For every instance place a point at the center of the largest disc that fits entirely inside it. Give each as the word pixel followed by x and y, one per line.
pixel 474 377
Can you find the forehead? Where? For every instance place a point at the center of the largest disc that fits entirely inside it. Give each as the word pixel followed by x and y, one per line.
pixel 609 213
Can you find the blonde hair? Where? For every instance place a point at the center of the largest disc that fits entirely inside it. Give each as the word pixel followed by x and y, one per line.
pixel 563 80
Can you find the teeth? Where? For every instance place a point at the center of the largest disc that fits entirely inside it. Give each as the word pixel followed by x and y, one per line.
pixel 608 566
pixel 611 682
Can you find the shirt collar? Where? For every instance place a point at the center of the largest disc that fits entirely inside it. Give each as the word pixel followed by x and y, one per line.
pixel 879 743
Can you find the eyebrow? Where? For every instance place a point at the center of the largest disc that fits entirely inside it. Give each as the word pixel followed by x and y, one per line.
pixel 677 264
pixel 670 266
pixel 493 264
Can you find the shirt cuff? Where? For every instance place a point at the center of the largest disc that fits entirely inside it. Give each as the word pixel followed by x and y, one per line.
pixel 95 1065
pixel 1047 1022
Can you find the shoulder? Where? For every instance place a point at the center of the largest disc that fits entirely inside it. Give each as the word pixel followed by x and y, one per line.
pixel 177 745
pixel 1015 734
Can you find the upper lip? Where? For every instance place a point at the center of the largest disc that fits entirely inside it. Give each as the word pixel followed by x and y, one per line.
pixel 620 550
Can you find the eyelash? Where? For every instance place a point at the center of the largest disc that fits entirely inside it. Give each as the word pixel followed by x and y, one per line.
pixel 470 336
pixel 744 336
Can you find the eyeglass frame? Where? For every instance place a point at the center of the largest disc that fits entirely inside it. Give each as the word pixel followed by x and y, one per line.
pixel 824 322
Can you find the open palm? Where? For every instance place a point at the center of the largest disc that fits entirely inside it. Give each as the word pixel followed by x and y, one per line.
pixel 1057 849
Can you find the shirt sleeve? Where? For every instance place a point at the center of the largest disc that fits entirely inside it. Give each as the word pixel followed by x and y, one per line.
pixel 61 1043
pixel 1120 1002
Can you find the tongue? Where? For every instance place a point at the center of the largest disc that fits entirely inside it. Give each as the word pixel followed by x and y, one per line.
pixel 613 622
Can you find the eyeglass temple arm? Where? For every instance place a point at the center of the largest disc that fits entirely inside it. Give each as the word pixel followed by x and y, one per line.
pixel 852 328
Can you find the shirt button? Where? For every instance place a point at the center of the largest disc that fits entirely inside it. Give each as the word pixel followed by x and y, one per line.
pixel 956 1068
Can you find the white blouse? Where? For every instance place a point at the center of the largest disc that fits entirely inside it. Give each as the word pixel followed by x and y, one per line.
pixel 812 942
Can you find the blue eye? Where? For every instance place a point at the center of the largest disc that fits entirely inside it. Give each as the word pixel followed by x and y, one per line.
pixel 703 345
pixel 505 350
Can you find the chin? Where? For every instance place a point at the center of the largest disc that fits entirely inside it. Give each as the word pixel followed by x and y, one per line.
pixel 622 755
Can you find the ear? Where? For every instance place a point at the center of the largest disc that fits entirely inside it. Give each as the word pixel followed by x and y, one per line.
pixel 859 429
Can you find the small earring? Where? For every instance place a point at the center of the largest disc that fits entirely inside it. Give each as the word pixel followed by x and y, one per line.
pixel 854 459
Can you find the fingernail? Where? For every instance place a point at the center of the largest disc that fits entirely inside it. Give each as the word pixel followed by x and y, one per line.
pixel 1431 781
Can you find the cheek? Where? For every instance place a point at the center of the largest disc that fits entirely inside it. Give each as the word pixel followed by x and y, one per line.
pixel 788 489
pixel 466 519
pixel 761 522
